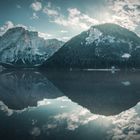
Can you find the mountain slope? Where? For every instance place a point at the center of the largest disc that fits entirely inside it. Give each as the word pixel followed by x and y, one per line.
pixel 23 48
pixel 102 46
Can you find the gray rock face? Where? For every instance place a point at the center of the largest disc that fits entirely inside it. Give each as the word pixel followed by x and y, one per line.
pixel 23 48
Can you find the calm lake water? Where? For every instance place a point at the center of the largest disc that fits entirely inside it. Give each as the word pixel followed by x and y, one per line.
pixel 69 105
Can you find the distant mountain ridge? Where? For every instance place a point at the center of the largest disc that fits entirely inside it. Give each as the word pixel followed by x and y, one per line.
pixel 22 48
pixel 102 46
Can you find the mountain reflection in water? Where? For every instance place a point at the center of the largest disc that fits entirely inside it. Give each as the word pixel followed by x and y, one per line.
pixel 69 105
pixel 101 92
pixel 20 89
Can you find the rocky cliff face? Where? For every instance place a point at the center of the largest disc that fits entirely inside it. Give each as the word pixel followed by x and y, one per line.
pixel 23 48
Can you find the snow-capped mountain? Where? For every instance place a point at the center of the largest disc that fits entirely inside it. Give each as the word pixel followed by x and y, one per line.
pixel 22 48
pixel 102 46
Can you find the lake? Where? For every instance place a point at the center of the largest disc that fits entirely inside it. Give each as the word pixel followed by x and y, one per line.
pixel 66 105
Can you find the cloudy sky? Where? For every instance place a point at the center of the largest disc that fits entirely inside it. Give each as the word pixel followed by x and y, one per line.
pixel 63 19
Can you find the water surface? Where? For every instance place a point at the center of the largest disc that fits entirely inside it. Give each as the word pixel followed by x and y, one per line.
pixel 69 105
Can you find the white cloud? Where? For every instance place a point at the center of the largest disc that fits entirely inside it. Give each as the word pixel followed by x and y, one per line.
pixel 75 20
pixel 73 12
pixel 75 118
pixel 50 12
pixel 36 6
pixel 9 112
pixel 64 31
pixel 43 102
pixel 6 26
pixel 10 24
pixel 44 35
pixel 126 125
pixel 63 106
pixel 5 109
pixel 34 16
pixel 124 13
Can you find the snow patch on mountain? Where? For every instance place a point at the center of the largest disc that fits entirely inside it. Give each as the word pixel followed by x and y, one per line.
pixel 126 55
pixel 110 39
pixel 105 39
pixel 94 34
